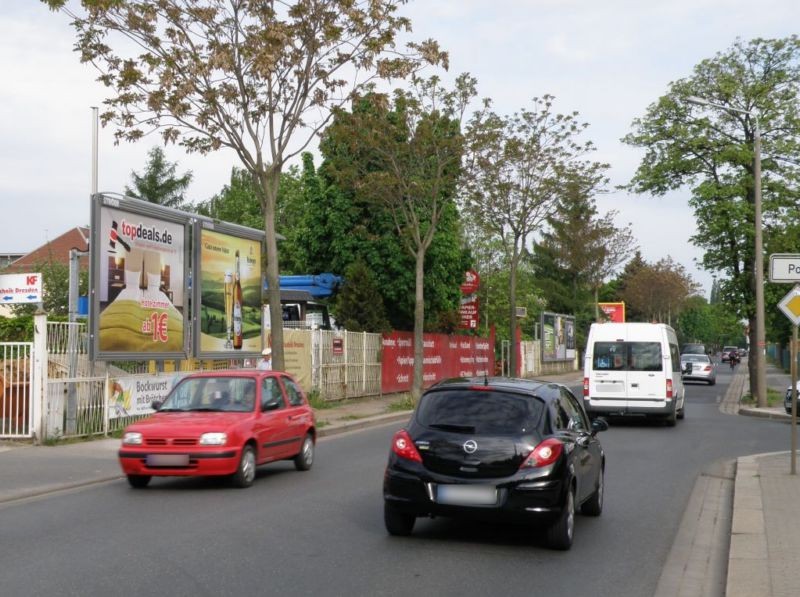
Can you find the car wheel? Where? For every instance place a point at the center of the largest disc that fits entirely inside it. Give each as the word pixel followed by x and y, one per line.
pixel 397 523
pixel 246 473
pixel 594 505
pixel 682 412
pixel 560 533
pixel 712 382
pixel 139 481
pixel 304 460
pixel 671 419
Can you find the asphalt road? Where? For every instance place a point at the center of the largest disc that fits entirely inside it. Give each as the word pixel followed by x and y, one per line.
pixel 321 532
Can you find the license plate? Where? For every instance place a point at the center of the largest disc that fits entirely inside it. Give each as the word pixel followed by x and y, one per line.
pixel 167 459
pixel 467 495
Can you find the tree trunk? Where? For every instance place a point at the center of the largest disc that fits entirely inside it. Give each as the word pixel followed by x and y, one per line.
pixel 269 183
pixel 597 303
pixel 419 320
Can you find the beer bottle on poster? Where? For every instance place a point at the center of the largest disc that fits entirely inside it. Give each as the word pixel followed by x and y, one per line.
pixel 237 306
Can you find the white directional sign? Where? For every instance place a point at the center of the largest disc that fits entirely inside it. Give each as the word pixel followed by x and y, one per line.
pixel 784 267
pixel 20 288
pixel 790 305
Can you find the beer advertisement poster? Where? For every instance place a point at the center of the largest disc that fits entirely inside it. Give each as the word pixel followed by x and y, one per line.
pixel 140 295
pixel 229 310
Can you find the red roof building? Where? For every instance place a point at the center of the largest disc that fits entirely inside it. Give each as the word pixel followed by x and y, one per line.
pixel 55 251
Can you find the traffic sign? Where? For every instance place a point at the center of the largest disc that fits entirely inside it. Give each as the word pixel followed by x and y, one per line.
pixel 784 267
pixel 20 288
pixel 790 305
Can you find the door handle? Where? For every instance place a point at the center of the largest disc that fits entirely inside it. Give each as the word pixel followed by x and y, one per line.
pixel 634 385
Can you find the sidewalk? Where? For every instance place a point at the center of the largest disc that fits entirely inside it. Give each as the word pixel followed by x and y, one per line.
pixel 28 471
pixel 764 556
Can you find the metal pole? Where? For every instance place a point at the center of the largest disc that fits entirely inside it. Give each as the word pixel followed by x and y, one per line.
pixel 793 368
pixel 761 344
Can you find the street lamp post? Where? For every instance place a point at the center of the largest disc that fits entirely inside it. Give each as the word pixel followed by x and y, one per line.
pixel 758 266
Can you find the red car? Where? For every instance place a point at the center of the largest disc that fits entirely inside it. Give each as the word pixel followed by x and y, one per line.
pixel 222 423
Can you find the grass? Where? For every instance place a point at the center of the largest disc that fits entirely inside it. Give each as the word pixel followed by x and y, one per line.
pixel 316 401
pixel 406 403
pixel 774 398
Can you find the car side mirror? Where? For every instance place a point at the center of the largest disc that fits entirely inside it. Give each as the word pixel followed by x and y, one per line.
pixel 599 424
pixel 156 404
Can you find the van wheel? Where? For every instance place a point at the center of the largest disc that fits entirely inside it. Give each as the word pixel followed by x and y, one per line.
pixel 671 419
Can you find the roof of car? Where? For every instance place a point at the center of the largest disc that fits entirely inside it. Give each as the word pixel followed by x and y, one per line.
pixel 507 383
pixel 234 373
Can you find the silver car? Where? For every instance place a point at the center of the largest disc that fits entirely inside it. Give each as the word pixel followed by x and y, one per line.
pixel 702 368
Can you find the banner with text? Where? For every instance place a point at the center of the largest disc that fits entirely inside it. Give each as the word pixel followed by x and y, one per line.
pixel 443 357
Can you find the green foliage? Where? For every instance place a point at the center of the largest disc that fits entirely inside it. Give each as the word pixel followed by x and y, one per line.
pixel 359 305
pixel 712 150
pixel 658 291
pixel 237 202
pixel 16 329
pixel 714 325
pixel 517 170
pixel 159 182
pixel 384 197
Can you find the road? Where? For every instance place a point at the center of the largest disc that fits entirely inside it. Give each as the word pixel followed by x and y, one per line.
pixel 321 532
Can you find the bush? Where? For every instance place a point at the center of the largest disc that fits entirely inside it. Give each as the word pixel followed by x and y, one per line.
pixel 16 329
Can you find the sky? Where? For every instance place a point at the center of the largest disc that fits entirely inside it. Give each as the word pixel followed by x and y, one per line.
pixel 606 60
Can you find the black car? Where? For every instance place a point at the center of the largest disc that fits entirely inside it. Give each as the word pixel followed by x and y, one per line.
pixel 496 449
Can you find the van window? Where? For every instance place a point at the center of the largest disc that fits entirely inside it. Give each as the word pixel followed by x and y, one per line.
pixel 627 356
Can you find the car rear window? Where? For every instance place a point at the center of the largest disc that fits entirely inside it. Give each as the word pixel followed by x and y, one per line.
pixel 627 356
pixel 695 358
pixel 479 411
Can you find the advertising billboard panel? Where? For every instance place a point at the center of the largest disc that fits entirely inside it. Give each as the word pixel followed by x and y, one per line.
pixel 227 291
pixel 139 255
pixel 614 312
pixel 558 337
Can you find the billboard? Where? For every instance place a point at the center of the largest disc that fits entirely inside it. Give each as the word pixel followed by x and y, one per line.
pixel 227 291
pixel 558 337
pixel 614 312
pixel 139 264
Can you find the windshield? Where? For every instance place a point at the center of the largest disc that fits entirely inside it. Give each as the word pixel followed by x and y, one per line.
pixel 230 394
pixel 479 412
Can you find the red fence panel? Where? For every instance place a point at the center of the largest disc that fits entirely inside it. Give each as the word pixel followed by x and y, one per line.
pixel 443 357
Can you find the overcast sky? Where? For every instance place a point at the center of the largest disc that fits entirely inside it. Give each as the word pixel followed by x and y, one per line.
pixel 608 60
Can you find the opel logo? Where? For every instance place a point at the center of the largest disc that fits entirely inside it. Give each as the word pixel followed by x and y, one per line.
pixel 470 446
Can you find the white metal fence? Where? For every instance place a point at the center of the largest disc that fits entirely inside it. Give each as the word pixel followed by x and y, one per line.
pixel 346 364
pixel 16 389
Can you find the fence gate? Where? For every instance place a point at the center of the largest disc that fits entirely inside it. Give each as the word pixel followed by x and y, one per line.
pixel 16 390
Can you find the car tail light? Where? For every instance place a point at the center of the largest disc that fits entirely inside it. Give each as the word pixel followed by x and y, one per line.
pixel 669 389
pixel 404 447
pixel 707 368
pixel 585 387
pixel 544 454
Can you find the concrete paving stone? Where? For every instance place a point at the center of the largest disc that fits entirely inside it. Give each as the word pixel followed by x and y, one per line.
pixel 751 546
pixel 747 521
pixel 748 578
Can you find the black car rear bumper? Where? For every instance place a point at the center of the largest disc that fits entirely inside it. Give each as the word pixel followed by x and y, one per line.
pixel 520 498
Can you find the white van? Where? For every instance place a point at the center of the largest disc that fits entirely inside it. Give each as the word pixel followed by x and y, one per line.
pixel 633 369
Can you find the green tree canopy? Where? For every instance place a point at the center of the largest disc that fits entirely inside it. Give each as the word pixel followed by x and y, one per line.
pixel 159 183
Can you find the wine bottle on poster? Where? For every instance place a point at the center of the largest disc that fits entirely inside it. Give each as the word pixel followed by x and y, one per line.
pixel 237 306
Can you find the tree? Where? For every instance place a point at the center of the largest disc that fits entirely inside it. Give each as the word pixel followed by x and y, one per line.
pixel 515 172
pixel 359 304
pixel 159 182
pixel 409 157
pixel 659 291
pixel 712 151
pixel 259 78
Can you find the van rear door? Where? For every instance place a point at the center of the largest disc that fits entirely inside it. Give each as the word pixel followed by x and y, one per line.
pixel 646 378
pixel 609 377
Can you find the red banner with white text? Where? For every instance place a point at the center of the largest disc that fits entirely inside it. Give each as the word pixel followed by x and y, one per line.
pixel 443 357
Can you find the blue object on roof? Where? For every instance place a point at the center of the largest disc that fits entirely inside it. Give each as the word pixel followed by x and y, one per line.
pixel 320 285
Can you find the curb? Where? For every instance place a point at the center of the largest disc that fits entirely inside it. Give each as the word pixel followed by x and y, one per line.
pixel 760 413
pixel 356 424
